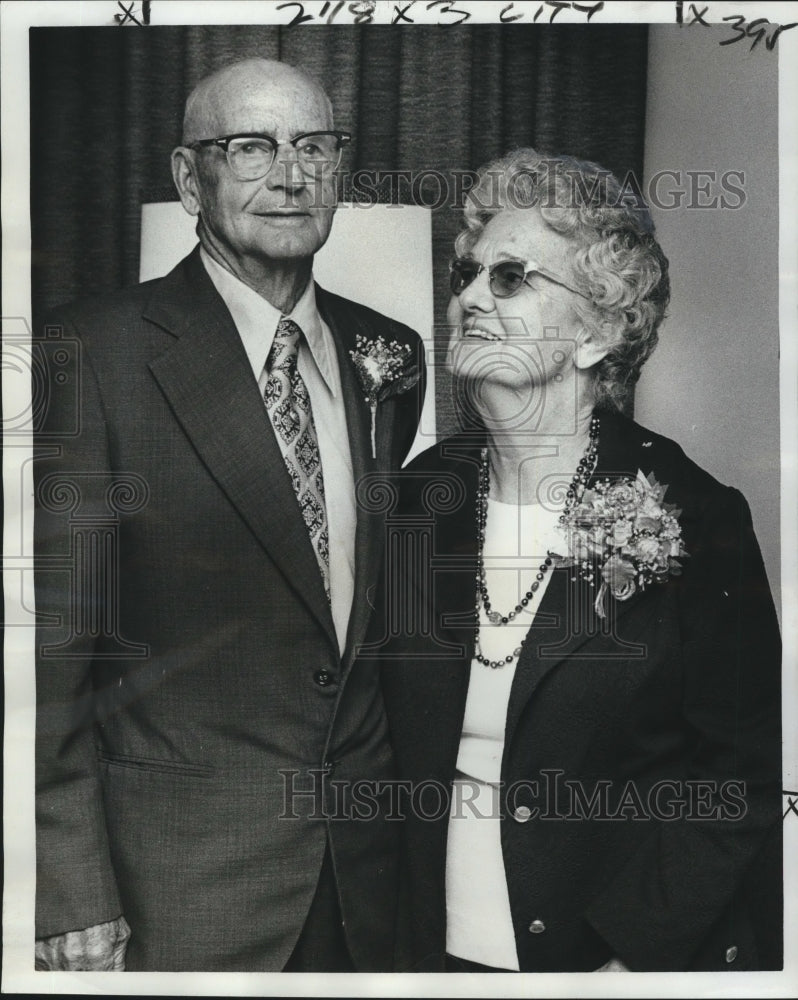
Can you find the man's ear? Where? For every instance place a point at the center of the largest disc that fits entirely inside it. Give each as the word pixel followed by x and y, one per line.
pixel 184 174
pixel 593 345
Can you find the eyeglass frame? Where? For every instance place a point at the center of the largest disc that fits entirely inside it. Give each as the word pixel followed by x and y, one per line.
pixel 530 267
pixel 223 143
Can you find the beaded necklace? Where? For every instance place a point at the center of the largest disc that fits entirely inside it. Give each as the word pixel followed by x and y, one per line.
pixel 584 471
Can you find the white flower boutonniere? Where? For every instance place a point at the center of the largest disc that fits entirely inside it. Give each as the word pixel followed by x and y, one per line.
pixel 385 369
pixel 626 533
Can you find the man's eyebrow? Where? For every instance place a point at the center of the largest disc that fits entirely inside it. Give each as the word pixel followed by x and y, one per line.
pixel 253 132
pixel 262 134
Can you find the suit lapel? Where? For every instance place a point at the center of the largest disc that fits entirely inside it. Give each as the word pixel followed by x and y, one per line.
pixel 451 592
pixel 207 379
pixel 454 546
pixel 567 626
pixel 345 325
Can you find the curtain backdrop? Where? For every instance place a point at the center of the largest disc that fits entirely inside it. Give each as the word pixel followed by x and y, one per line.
pixel 106 110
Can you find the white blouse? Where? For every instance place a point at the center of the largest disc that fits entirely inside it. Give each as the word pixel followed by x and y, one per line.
pixel 479 922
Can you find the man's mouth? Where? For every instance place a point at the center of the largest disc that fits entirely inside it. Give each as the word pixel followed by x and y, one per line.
pixel 283 213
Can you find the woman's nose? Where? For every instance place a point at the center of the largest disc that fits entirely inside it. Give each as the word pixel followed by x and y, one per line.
pixel 477 297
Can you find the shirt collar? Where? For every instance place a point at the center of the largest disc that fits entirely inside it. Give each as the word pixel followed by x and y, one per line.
pixel 256 320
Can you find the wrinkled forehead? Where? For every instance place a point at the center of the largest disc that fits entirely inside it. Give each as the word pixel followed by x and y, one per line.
pixel 265 109
pixel 283 104
pixel 523 234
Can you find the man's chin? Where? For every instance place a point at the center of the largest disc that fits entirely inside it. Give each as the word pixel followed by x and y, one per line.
pixel 284 237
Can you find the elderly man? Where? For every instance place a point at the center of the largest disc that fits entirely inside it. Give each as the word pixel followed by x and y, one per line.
pixel 198 706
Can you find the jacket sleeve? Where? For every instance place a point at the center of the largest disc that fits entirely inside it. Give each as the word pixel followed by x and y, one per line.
pixel 659 907
pixel 75 881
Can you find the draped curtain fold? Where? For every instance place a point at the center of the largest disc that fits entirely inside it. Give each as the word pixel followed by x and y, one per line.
pixel 106 109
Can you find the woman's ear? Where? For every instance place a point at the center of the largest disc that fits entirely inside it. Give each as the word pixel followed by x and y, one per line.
pixel 593 345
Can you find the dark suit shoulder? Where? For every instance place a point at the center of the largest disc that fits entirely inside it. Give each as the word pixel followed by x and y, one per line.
pixel 111 330
pixel 625 448
pixel 442 476
pixel 86 312
pixel 632 447
pixel 364 317
pixel 114 311
pixel 446 455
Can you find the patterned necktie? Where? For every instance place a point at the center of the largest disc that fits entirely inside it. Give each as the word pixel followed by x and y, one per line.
pixel 288 404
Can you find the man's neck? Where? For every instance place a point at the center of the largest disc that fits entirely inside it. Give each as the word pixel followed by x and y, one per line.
pixel 281 283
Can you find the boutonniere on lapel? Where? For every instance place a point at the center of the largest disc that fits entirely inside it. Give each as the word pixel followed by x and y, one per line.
pixel 623 533
pixel 385 369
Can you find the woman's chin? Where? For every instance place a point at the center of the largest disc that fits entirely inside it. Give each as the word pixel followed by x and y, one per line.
pixel 496 363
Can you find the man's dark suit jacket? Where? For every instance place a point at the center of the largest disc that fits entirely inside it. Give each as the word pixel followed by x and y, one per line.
pixel 683 688
pixel 188 672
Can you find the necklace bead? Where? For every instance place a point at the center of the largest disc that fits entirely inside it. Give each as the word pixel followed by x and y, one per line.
pixel 573 494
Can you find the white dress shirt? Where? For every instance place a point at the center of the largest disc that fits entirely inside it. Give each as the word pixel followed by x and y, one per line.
pixel 479 921
pixel 256 321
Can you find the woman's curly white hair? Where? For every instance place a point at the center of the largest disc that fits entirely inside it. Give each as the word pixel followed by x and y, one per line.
pixel 617 261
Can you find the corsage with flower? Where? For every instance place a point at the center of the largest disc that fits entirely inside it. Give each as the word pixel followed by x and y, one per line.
pixel 385 369
pixel 624 532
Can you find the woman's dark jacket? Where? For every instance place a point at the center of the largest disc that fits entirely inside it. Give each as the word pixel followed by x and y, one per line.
pixel 641 774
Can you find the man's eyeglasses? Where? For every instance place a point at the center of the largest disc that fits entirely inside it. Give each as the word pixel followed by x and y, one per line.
pixel 505 278
pixel 251 155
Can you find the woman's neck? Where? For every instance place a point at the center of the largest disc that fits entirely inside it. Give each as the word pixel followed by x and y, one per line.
pixel 535 464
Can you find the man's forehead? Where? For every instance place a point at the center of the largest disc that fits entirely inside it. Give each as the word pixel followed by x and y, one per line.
pixel 265 107
pixel 254 99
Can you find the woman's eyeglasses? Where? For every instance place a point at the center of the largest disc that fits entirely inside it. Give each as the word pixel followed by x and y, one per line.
pixel 505 278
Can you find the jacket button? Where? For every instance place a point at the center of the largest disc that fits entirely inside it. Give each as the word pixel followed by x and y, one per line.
pixel 731 954
pixel 537 927
pixel 522 814
pixel 323 678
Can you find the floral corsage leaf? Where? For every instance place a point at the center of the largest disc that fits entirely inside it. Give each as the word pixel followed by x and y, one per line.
pixel 385 369
pixel 623 534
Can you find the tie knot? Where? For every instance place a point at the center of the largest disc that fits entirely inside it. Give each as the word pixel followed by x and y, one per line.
pixel 285 344
pixel 287 329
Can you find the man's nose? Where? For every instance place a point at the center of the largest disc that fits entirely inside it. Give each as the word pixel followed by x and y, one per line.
pixel 285 171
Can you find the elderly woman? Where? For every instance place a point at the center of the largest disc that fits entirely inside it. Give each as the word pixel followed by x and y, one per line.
pixel 583 680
